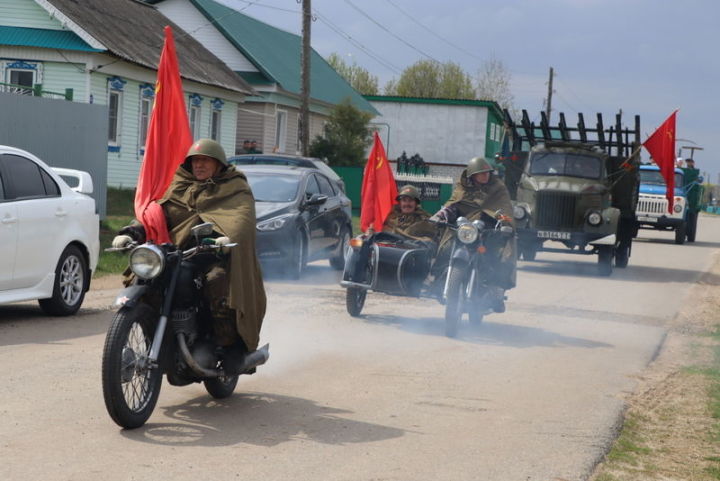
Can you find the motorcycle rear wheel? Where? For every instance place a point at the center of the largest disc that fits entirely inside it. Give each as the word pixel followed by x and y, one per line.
pixel 130 387
pixel 455 305
pixel 221 387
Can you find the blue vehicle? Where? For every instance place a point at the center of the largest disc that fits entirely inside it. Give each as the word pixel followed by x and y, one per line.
pixel 652 208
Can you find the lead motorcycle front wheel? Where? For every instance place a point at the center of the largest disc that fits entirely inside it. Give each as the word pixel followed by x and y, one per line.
pixel 455 303
pixel 130 386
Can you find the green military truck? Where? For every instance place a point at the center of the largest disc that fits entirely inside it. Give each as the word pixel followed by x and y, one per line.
pixel 574 186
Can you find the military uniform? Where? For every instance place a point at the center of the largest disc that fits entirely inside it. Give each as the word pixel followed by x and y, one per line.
pixel 413 226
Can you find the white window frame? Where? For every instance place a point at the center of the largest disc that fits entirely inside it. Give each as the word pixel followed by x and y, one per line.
pixel 147 94
pixel 21 66
pixel 281 130
pixel 216 124
pixel 118 117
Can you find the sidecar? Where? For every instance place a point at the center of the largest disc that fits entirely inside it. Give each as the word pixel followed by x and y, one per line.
pixel 387 263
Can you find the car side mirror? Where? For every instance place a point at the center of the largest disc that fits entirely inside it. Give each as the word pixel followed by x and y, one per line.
pixel 316 199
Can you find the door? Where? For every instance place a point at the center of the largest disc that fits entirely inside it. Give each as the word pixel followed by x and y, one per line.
pixel 314 218
pixel 41 218
pixel 8 237
pixel 331 212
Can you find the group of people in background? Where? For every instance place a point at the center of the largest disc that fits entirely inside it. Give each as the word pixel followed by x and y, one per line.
pixel 250 147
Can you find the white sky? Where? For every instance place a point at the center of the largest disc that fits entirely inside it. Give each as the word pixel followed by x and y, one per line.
pixel 646 57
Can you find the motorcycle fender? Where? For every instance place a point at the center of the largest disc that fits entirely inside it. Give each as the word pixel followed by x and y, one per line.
pixel 129 296
pixel 460 257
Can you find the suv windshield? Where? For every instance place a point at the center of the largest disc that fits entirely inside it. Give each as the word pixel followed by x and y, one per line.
pixel 273 188
pixel 655 177
pixel 572 165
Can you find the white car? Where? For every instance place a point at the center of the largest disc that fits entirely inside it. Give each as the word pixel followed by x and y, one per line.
pixel 49 233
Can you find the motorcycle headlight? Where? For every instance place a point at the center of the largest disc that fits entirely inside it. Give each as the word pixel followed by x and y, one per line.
pixel 147 261
pixel 594 218
pixel 519 213
pixel 273 224
pixel 467 233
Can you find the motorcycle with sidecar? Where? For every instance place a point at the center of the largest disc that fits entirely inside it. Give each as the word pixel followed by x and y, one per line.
pixel 395 265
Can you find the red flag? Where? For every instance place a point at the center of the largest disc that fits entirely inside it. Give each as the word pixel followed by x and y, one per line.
pixel 661 145
pixel 378 188
pixel 168 140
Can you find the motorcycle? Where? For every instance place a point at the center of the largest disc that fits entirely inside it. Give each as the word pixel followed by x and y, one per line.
pixel 163 326
pixel 398 266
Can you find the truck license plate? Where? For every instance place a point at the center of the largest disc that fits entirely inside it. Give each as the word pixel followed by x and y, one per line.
pixel 643 218
pixel 547 234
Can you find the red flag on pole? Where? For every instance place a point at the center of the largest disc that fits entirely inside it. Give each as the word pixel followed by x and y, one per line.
pixel 168 140
pixel 378 188
pixel 661 145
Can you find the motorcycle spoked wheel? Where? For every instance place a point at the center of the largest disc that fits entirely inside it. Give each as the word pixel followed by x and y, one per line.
pixel 221 387
pixel 455 304
pixel 130 387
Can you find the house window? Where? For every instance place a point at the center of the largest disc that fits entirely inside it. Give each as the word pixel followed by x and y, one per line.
pixel 147 93
pixel 195 115
pixel 280 130
pixel 115 94
pixel 22 75
pixel 298 144
pixel 216 119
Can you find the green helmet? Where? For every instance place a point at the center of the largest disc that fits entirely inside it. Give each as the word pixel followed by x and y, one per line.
pixel 409 191
pixel 207 147
pixel 477 165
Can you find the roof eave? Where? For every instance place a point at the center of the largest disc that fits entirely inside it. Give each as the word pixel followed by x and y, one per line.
pixel 66 22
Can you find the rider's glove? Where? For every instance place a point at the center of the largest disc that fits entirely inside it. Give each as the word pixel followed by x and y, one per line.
pixel 222 242
pixel 135 230
pixel 121 241
pixel 443 215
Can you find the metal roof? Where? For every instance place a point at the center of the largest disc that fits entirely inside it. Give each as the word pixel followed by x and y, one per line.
pixel 38 37
pixel 133 31
pixel 490 104
pixel 276 53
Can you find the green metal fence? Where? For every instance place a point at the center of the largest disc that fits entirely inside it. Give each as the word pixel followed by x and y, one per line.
pixel 435 191
pixel 36 91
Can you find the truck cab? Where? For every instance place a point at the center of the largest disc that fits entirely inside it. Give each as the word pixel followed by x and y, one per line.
pixel 652 208
pixel 564 195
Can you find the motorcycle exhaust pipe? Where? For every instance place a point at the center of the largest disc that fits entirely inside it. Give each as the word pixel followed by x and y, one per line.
pixel 255 358
pixel 192 363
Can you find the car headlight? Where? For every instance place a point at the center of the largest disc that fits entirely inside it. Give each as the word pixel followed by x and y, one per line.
pixel 467 233
pixel 678 208
pixel 147 261
pixel 273 224
pixel 519 212
pixel 594 218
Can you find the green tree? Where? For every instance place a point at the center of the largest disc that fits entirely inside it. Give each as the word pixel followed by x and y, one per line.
pixel 360 79
pixel 431 79
pixel 347 135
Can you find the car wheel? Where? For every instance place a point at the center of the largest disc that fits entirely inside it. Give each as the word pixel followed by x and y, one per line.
pixel 69 284
pixel 337 261
pixel 298 258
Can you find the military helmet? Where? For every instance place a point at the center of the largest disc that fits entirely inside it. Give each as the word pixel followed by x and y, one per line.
pixel 477 165
pixel 207 147
pixel 409 191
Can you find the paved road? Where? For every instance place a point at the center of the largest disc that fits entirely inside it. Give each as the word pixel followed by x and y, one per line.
pixel 532 394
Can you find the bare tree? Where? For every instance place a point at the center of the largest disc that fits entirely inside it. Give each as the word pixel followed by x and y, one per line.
pixel 493 83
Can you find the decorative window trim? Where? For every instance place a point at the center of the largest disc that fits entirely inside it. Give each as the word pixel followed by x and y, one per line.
pixel 147 91
pixel 116 83
pixel 195 100
pixel 217 104
pixel 9 65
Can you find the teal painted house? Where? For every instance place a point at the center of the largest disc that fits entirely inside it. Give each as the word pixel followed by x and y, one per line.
pixel 107 52
pixel 268 58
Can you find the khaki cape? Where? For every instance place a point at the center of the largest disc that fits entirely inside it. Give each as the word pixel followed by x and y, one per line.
pixel 471 200
pixel 227 201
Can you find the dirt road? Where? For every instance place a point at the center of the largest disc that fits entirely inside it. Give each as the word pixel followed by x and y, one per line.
pixel 532 394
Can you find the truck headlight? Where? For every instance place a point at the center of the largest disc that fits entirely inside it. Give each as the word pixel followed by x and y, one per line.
pixel 678 208
pixel 519 212
pixel 594 219
pixel 147 261
pixel 467 233
pixel 273 224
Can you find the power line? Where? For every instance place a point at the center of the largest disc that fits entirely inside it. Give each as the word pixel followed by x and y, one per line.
pixel 364 14
pixel 433 32
pixel 339 31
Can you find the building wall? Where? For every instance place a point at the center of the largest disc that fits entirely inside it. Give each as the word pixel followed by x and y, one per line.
pixel 447 134
pixel 26 13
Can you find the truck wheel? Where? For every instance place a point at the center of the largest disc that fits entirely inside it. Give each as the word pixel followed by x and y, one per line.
pixel 622 254
pixel 691 226
pixel 680 234
pixel 605 260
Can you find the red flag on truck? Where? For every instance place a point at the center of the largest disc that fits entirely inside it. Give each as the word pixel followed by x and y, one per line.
pixel 378 188
pixel 661 145
pixel 168 140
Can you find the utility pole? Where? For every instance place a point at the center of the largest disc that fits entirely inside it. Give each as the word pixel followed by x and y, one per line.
pixel 305 79
pixel 548 106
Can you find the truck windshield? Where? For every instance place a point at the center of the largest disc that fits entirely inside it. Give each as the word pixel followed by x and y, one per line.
pixel 552 163
pixel 655 177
